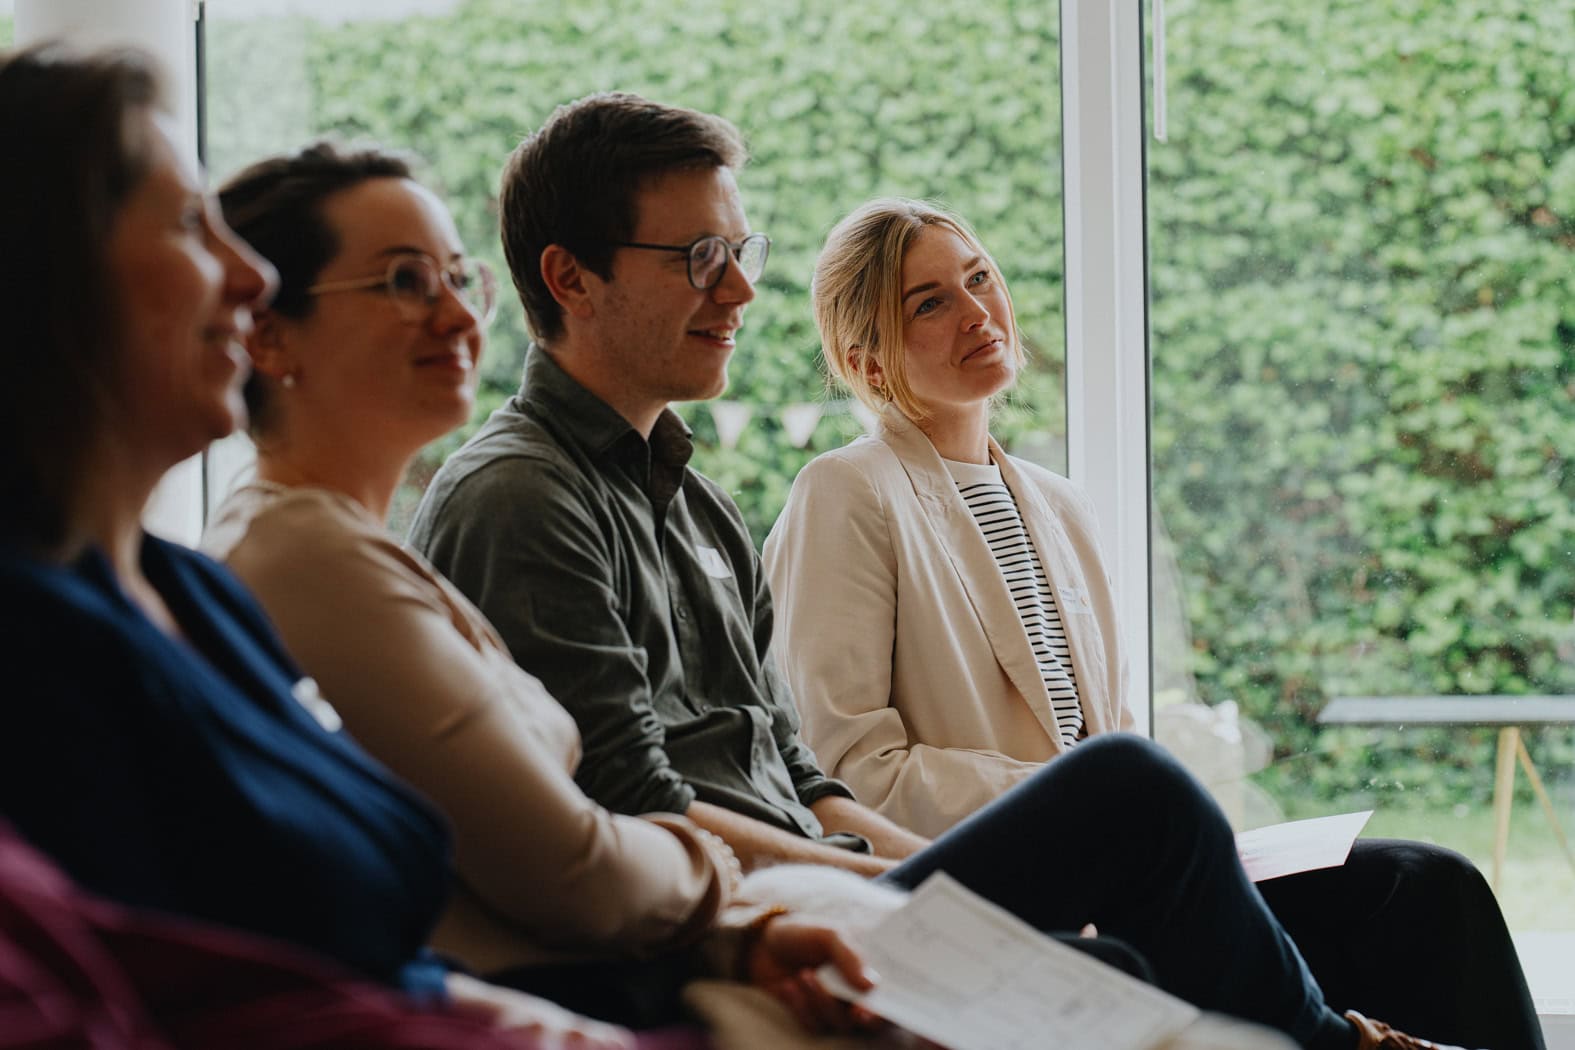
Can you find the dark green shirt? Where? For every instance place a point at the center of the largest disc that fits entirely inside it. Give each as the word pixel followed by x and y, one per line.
pixel 628 584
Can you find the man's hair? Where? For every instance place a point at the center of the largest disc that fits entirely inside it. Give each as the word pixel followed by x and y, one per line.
pixel 76 148
pixel 574 184
pixel 857 297
pixel 276 205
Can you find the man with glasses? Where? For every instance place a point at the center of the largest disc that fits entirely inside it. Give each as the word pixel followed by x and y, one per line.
pixel 629 585
pixel 614 573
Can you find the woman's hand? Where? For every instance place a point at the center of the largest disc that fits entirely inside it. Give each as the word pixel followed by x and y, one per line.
pixel 783 959
pixel 548 1024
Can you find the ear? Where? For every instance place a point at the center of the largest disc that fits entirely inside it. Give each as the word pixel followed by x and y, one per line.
pixel 268 345
pixel 867 363
pixel 568 281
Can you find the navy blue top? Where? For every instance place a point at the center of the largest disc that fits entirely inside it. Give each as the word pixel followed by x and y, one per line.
pixel 186 777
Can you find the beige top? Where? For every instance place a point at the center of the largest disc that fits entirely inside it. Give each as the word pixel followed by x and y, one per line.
pixel 424 684
pixel 915 678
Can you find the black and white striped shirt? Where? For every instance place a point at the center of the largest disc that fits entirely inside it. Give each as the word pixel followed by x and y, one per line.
pixel 995 511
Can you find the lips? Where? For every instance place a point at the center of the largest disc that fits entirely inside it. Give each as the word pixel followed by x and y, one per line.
pixel 721 335
pixel 226 340
pixel 455 359
pixel 983 348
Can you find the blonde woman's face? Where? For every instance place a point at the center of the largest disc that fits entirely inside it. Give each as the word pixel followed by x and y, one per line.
pixel 957 325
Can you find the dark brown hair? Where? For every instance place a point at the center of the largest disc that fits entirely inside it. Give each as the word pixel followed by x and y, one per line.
pixel 276 205
pixel 574 183
pixel 75 150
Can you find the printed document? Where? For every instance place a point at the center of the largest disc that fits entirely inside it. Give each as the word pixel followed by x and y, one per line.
pixel 958 970
pixel 1301 845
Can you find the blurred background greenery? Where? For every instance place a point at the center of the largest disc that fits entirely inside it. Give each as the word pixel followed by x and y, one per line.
pixel 1362 242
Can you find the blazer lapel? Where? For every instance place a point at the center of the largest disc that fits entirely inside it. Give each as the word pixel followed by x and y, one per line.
pixel 1071 593
pixel 970 557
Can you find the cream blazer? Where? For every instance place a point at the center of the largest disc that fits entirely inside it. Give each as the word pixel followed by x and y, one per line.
pixel 910 666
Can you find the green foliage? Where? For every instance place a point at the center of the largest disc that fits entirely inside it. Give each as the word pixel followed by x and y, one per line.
pixel 839 102
pixel 1362 236
pixel 1364 333
pixel 7 31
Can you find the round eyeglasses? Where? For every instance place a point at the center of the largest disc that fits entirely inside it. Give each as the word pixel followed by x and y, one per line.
pixel 415 283
pixel 708 257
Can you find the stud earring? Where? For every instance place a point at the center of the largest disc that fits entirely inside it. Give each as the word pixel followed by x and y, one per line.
pixel 288 381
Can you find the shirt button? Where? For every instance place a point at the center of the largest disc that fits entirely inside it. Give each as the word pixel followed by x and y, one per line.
pixel 683 614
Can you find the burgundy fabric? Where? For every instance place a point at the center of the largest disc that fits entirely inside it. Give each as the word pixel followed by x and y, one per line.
pixel 79 972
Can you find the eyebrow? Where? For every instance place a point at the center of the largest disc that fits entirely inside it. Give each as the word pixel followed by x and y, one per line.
pixel 410 249
pixel 928 285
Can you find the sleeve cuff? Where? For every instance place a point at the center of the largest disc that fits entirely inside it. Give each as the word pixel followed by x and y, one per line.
pixel 817 788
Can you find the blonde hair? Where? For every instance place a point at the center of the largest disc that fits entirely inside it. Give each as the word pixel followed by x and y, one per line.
pixel 857 296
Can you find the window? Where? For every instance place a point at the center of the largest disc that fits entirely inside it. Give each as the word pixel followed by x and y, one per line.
pixel 1362 235
pixel 839 102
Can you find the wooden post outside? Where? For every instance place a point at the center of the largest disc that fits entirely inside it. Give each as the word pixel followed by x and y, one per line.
pixel 1547 803
pixel 1503 797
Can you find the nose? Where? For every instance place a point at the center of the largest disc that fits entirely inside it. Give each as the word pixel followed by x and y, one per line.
pixel 249 279
pixel 734 287
pixel 452 312
pixel 975 313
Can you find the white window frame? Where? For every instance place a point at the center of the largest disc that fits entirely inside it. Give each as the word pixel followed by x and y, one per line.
pixel 1107 362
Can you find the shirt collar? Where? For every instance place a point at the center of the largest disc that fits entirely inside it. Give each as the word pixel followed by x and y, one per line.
pixel 550 392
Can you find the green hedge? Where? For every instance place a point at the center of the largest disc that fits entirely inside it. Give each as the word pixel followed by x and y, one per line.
pixel 830 120
pixel 1362 239
pixel 1364 359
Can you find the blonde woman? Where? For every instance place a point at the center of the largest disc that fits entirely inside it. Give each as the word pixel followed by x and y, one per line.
pixel 1004 652
pixel 947 628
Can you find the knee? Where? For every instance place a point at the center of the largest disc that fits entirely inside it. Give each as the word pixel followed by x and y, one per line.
pixel 1448 874
pixel 1132 774
pixel 1140 768
pixel 1443 878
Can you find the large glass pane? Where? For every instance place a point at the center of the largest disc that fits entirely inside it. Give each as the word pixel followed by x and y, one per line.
pixel 1363 240
pixel 839 102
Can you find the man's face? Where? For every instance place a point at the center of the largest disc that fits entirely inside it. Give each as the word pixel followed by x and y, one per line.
pixel 660 338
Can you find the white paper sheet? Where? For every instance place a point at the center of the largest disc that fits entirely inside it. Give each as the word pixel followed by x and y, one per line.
pixel 1301 845
pixel 960 971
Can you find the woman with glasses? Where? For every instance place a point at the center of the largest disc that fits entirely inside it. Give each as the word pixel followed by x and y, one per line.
pixel 368 352
pixel 948 630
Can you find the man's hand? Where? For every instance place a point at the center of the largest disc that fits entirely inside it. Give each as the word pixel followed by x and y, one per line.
pixel 783 960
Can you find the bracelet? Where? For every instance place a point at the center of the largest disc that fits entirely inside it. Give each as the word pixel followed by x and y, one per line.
pixel 751 934
pixel 731 871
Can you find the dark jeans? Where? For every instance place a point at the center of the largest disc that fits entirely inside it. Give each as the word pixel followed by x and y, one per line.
pixel 1412 934
pixel 1116 833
